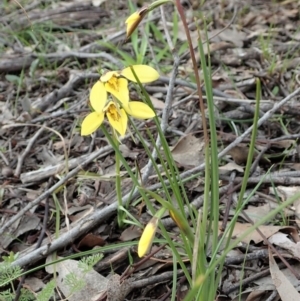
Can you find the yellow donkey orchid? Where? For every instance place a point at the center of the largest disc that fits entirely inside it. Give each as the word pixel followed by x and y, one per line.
pixel 115 82
pixel 116 115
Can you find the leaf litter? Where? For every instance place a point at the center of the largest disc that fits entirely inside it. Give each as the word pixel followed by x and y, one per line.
pixel 46 84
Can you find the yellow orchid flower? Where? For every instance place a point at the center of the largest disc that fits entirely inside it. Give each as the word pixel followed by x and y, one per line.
pixel 116 115
pixel 147 237
pixel 115 83
pixel 134 20
pixel 144 73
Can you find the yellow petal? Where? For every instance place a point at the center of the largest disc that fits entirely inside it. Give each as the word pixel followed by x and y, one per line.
pixel 91 123
pixel 183 225
pixel 139 110
pixel 135 19
pixel 98 96
pixel 108 75
pixel 117 118
pixel 176 218
pixel 119 90
pixel 147 237
pixel 145 74
pixel 132 22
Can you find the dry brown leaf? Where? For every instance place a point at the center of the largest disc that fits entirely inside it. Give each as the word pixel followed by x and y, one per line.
pixel 157 104
pixel 239 153
pixel 242 296
pixel 85 211
pixel 96 284
pixel 91 240
pixel 283 143
pixel 281 239
pixel 34 284
pixel 240 229
pixel 266 283
pixel 248 19
pixel 26 224
pixel 255 295
pixel 130 233
pixel 229 167
pixel 188 151
pixel 256 213
pixel 284 287
pixel 285 192
pixel 117 289
pixel 233 36
pixel 293 166
pixel 128 153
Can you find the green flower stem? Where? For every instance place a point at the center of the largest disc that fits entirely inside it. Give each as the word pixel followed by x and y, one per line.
pixel 158 3
pixel 160 213
pixel 118 185
pixel 145 197
pixel 212 168
pixel 249 160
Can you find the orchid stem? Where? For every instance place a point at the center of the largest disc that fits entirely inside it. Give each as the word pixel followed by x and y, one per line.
pixel 118 186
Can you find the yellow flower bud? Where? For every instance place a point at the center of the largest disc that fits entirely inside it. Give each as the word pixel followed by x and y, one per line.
pixel 134 20
pixel 147 237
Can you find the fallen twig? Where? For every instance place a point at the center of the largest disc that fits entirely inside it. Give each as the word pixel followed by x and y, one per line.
pixel 48 171
pixel 26 151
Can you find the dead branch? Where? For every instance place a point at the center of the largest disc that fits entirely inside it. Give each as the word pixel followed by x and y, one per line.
pixel 48 171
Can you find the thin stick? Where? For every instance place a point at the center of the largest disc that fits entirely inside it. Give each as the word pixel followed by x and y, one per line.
pixel 22 157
